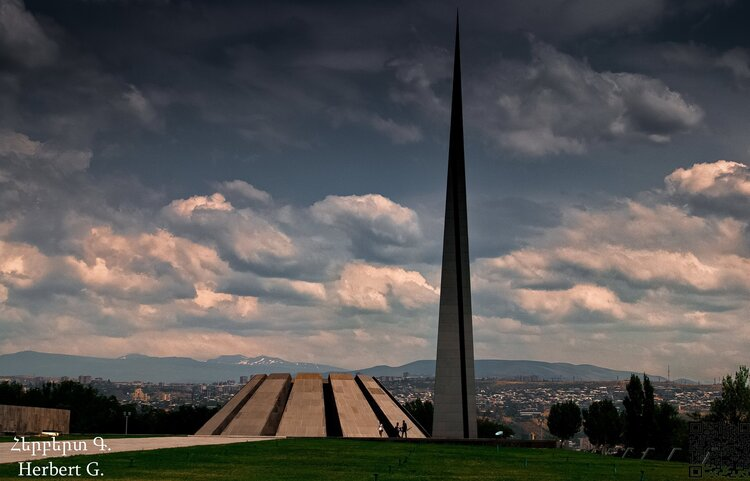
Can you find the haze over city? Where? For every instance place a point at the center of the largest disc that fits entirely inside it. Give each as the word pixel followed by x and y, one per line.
pixel 207 178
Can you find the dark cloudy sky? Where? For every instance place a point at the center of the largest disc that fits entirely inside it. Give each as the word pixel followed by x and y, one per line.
pixel 201 178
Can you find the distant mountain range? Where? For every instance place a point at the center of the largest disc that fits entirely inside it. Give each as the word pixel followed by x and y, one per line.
pixel 182 369
pixel 137 367
pixel 506 369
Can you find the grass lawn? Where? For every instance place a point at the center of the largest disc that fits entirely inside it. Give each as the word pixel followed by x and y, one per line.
pixel 337 459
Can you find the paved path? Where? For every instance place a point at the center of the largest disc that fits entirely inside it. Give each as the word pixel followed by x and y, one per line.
pixel 115 445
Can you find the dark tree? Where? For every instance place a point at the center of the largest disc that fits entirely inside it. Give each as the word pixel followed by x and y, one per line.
pixel 634 433
pixel 564 420
pixel 90 412
pixel 648 422
pixel 486 428
pixel 641 430
pixel 669 430
pixel 183 420
pixel 602 423
pixel 734 404
pixel 11 393
pixel 422 412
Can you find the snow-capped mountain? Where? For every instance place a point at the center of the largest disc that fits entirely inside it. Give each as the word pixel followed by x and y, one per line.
pixel 274 362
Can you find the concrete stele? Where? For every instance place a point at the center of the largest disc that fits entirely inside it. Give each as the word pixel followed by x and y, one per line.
pixel 392 411
pixel 261 414
pixel 304 415
pixel 219 421
pixel 355 415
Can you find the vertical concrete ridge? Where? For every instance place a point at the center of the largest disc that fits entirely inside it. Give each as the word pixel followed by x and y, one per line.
pixel 356 417
pixel 387 409
pixel 226 414
pixel 304 415
pixel 333 426
pixel 261 414
pixel 389 426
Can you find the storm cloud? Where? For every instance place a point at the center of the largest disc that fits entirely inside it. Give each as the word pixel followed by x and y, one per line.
pixel 206 178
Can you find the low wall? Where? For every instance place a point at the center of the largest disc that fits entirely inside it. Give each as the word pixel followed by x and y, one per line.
pixel 31 420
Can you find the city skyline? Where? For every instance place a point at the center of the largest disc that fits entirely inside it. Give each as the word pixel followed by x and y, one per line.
pixel 198 179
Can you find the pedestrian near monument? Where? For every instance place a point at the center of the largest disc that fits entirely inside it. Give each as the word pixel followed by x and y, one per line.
pixel 380 429
pixel 403 428
pixel 398 430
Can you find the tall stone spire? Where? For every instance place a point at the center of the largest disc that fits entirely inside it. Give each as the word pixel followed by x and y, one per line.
pixel 455 398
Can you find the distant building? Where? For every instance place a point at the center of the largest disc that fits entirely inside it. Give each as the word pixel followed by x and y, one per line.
pixel 528 414
pixel 84 379
pixel 243 380
pixel 139 395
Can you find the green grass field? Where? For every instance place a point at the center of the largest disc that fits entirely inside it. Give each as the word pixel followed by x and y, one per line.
pixel 336 459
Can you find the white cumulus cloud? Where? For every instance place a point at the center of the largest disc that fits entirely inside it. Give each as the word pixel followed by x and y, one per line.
pixel 186 207
pixel 369 287
pixel 715 179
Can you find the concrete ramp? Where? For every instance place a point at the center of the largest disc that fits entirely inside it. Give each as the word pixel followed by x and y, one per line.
pixel 226 414
pixel 355 415
pixel 261 414
pixel 388 407
pixel 304 415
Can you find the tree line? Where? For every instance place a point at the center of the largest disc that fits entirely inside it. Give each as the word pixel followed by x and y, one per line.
pixel 642 423
pixel 91 412
pixel 423 413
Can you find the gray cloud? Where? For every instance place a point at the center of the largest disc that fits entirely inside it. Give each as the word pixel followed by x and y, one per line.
pixel 111 96
pixel 559 104
pixel 376 226
pixel 572 18
pixel 22 40
pixel 244 190
pixel 396 132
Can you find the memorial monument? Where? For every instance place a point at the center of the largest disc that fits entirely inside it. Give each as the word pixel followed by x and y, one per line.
pixel 354 406
pixel 309 405
pixel 455 404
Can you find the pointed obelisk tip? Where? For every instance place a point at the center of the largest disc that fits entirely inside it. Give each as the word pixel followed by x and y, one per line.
pixel 457 40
